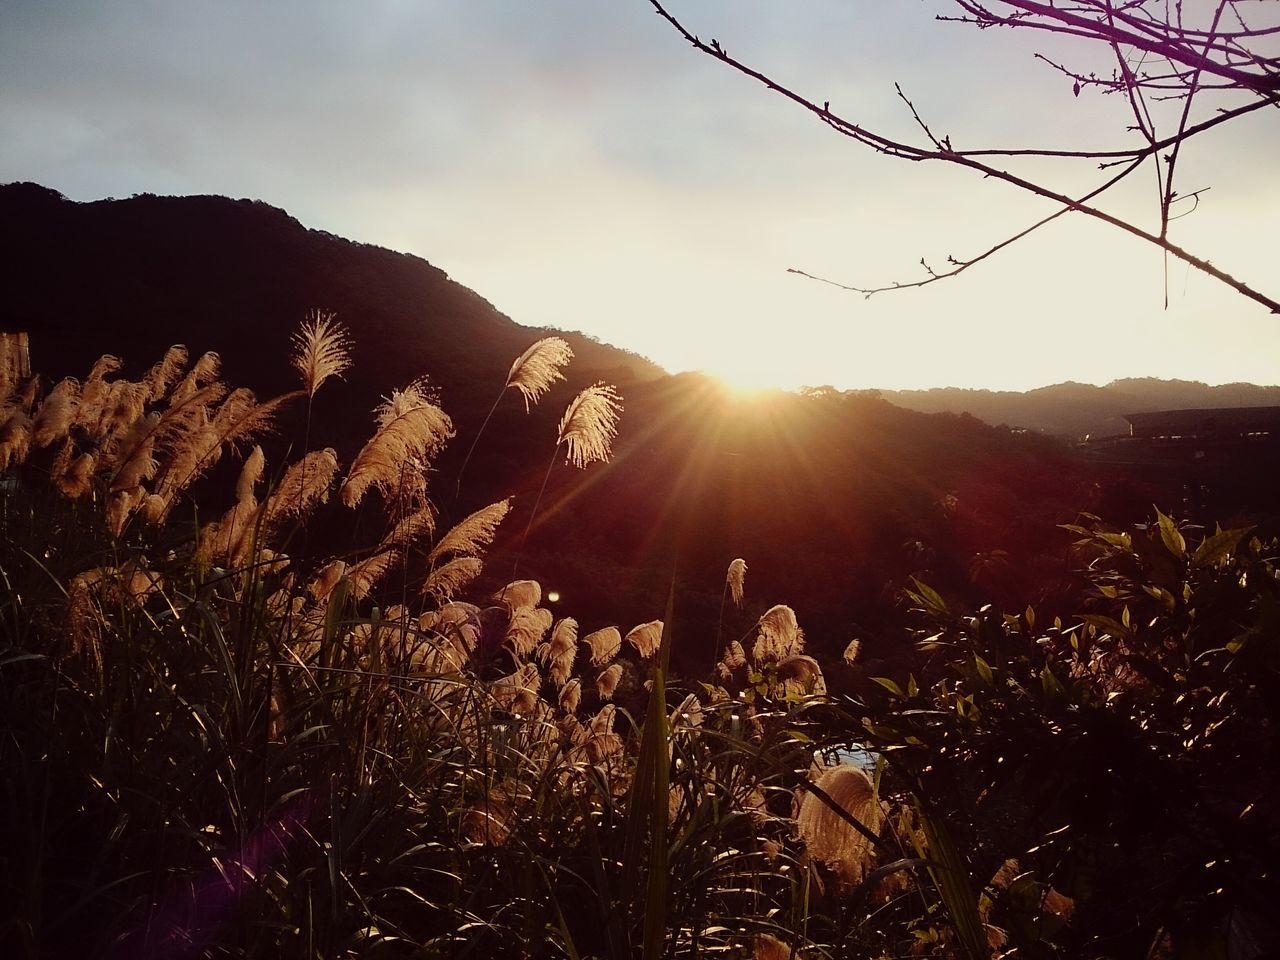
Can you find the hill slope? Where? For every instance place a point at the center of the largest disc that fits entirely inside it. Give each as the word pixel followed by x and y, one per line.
pixel 828 498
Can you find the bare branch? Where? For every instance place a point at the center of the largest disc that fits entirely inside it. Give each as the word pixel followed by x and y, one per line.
pixel 1124 26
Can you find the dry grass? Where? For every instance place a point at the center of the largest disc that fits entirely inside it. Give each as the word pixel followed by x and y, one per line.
pixel 535 370
pixel 590 424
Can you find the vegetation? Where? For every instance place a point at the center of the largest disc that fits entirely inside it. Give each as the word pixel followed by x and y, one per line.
pixel 218 743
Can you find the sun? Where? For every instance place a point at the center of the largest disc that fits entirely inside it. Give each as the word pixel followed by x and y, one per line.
pixel 746 384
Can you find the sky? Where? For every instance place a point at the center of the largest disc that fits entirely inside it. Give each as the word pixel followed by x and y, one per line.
pixel 581 167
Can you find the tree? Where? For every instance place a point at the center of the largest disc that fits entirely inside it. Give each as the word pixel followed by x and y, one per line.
pixel 1201 64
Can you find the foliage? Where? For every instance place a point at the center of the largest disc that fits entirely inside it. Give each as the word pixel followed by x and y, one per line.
pixel 1110 782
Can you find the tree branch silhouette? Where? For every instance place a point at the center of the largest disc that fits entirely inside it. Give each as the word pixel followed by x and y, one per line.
pixel 1188 60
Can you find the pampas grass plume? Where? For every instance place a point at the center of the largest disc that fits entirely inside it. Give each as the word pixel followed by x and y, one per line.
pixel 527 628
pixel 305 484
pixel 520 594
pixel 56 413
pixel 646 638
pixel 736 580
pixel 604 645
pixel 607 682
pixel 473 534
pixel 162 376
pixel 828 838
pixel 590 424
pixel 322 350
pixel 446 580
pixel 780 635
pixel 411 427
pixel 535 370
pixel 571 696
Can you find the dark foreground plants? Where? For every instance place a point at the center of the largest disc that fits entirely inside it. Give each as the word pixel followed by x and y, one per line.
pixel 213 743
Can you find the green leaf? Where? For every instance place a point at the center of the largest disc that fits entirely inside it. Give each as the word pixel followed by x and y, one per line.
pixel 984 670
pixel 892 687
pixel 1220 544
pixel 1172 537
pixel 929 599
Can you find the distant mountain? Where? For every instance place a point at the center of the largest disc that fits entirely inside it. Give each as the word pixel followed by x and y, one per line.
pixel 829 498
pixel 1079 409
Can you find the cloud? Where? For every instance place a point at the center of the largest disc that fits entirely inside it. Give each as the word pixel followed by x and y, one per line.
pixel 579 165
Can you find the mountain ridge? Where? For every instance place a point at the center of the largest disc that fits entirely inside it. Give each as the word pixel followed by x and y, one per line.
pixel 1076 410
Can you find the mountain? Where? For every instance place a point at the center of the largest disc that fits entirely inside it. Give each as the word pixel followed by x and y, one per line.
pixel 1079 409
pixel 831 499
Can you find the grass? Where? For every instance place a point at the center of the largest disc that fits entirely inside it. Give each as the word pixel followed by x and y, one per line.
pixel 214 743
pixel 212 748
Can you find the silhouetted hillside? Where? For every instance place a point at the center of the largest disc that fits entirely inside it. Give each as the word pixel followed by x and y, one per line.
pixel 1079 409
pixel 829 498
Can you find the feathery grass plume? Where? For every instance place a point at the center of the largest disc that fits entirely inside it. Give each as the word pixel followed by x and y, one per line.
pixel 601 743
pixel 564 636
pixel 369 572
pixel 11 363
pixel 446 580
pixel 604 645
pixel 27 396
pixel 418 523
pixel 827 836
pixel 518 692
pixel 15 438
pixel 202 374
pixel 72 474
pixel 765 946
pixel 608 680
pixel 165 373
pixel 326 580
pixel 571 696
pixel 520 595
pixel 851 651
pixel 411 428
pixel 780 635
pixel 801 676
pixel 526 630
pixel 735 579
pixel 228 536
pixel 590 424
pixel 322 349
pixel 121 505
pixel 688 713
pixel 1058 904
pixel 305 484
pixel 95 391
pixel 239 417
pixel 487 823
pixel 535 370
pixel 646 638
pixel 122 406
pixel 734 656
pixel 130 455
pixel 473 534
pixel 84 617
pixel 250 476
pixel 562 651
pixel 456 622
pixel 532 373
pixel 56 413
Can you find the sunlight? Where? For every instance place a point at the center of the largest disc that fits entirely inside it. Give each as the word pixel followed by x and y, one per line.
pixel 746 384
